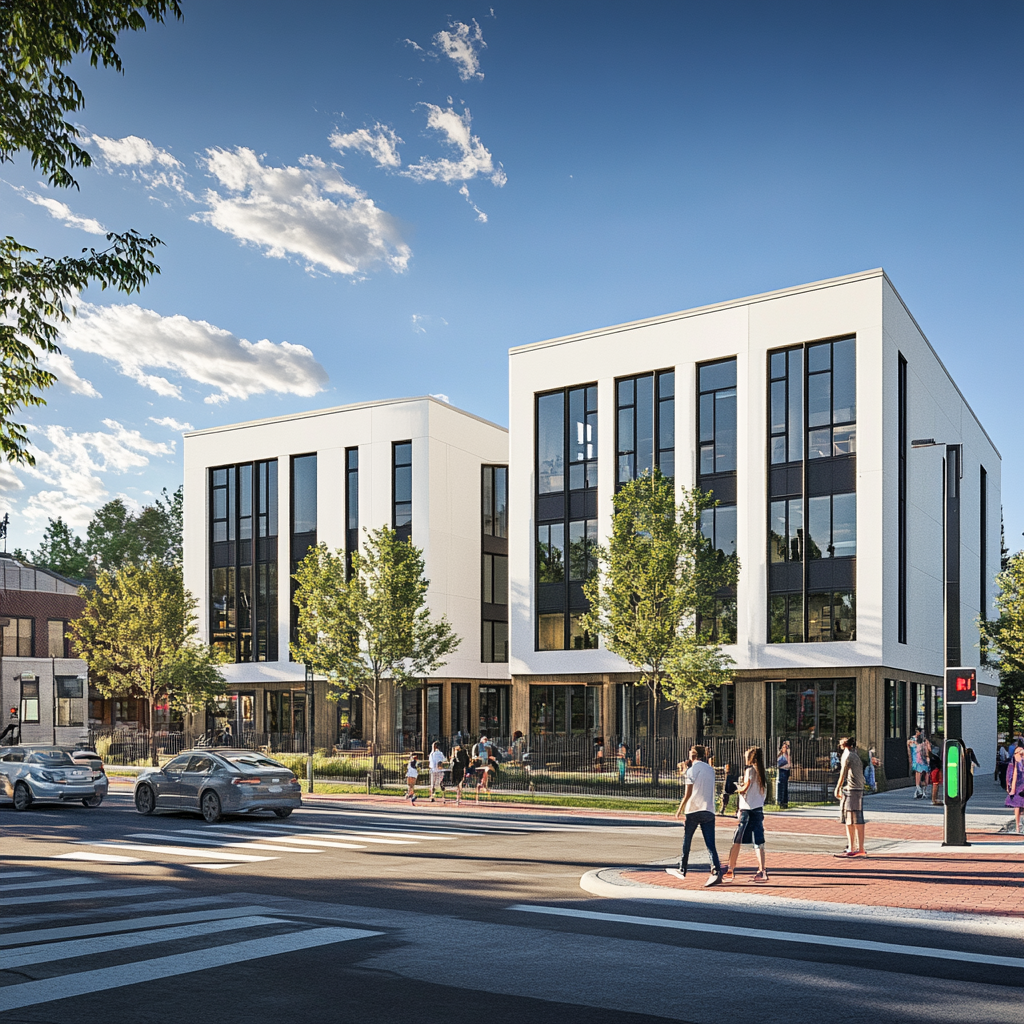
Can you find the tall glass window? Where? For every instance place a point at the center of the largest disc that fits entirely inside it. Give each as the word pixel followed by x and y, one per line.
pixel 401 489
pixel 303 521
pixel 243 560
pixel 716 417
pixel 901 546
pixel 565 710
pixel 812 500
pixel 645 425
pixel 566 516
pixel 494 563
pixel 351 507
pixel 822 709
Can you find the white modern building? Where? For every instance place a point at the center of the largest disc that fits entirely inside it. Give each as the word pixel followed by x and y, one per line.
pixel 259 494
pixel 797 408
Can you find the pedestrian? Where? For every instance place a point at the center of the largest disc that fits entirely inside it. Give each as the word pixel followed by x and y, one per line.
pixel 437 759
pixel 460 766
pixel 1015 785
pixel 599 754
pixel 483 778
pixel 869 771
pixel 518 747
pixel 753 788
pixel 784 764
pixel 850 794
pixel 935 769
pixel 918 762
pixel 729 786
pixel 412 773
pixel 1002 762
pixel 698 809
pixel 228 735
pixel 623 759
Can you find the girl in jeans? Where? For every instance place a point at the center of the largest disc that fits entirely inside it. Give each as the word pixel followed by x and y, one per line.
pixel 752 789
pixel 784 763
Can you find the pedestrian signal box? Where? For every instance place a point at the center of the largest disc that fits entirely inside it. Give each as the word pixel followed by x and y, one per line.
pixel 961 686
pixel 14 712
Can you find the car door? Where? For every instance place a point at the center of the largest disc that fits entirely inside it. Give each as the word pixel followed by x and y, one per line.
pixel 9 768
pixel 167 782
pixel 200 767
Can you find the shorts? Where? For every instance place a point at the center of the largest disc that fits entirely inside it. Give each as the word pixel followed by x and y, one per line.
pixel 851 808
pixel 751 827
pixel 437 779
pixel 936 776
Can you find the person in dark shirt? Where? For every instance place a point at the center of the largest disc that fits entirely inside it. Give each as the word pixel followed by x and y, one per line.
pixel 731 782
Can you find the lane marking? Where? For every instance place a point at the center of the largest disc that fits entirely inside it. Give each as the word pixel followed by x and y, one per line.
pixel 31 993
pixel 110 927
pixel 804 938
pixel 175 851
pixel 280 839
pixel 50 952
pixel 102 858
pixel 248 845
pixel 95 894
pixel 54 883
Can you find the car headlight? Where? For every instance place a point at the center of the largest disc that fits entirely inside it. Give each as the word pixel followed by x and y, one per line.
pixel 47 777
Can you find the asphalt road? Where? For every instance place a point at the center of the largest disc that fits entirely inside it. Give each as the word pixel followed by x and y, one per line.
pixel 364 914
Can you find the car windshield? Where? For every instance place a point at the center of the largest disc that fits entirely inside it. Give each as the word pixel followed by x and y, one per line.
pixel 254 761
pixel 52 758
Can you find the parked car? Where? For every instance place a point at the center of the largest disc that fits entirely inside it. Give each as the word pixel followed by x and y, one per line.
pixel 35 773
pixel 88 757
pixel 217 782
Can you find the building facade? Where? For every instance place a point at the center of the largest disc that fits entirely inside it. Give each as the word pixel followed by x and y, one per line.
pixel 796 409
pixel 44 690
pixel 259 495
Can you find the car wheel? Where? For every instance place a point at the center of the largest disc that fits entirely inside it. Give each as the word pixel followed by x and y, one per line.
pixel 210 806
pixel 91 801
pixel 282 812
pixel 145 800
pixel 22 797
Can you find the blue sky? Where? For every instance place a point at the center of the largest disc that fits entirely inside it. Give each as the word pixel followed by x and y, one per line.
pixel 365 201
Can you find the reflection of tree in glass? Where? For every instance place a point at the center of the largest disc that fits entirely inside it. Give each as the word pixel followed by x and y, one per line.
pixel 550 557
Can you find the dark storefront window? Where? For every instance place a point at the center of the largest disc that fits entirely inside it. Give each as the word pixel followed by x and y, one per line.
pixel 243 560
pixel 495 702
pixel 814 708
pixel 285 712
pixel 350 720
pixel 460 709
pixel 494 564
pixel 720 715
pixel 70 700
pixel 565 710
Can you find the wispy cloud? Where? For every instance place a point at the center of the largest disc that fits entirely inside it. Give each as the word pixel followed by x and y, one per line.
pixel 141 159
pixel 422 322
pixel 379 142
pixel 60 363
pixel 462 44
pixel 62 212
pixel 309 211
pixel 474 159
pixel 480 215
pixel 138 340
pixel 171 423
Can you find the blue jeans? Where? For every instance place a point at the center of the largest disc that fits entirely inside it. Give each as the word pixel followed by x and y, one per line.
pixel 705 821
pixel 782 787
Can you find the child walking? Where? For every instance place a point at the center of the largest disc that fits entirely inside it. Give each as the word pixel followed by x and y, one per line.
pixel 412 773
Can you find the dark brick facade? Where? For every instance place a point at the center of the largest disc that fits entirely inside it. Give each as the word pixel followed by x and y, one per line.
pixel 41 606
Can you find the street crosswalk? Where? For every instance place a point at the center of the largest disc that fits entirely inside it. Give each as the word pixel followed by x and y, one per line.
pixel 239 842
pixel 115 942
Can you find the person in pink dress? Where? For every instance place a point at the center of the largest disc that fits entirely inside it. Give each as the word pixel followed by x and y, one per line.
pixel 1015 785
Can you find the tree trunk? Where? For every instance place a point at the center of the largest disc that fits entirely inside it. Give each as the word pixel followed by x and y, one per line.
pixel 376 719
pixel 653 730
pixel 152 732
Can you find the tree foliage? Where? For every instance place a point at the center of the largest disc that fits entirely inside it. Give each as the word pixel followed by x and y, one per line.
pixel 62 550
pixel 656 582
pixel 1003 638
pixel 138 624
pixel 37 43
pixel 372 628
pixel 116 536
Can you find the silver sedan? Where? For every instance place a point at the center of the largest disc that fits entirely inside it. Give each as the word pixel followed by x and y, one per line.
pixel 47 774
pixel 217 782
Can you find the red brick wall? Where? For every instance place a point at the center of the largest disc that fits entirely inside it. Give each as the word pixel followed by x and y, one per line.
pixel 33 604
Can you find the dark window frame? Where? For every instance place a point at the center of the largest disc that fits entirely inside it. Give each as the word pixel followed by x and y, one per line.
pixel 405 530
pixel 662 407
pixel 351 507
pixel 299 543
pixel 901 512
pixel 494 615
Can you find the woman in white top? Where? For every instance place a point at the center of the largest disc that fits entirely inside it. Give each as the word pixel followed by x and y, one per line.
pixel 437 759
pixel 412 773
pixel 752 789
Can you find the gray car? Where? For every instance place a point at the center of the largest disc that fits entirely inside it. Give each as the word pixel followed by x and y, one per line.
pixel 36 773
pixel 218 782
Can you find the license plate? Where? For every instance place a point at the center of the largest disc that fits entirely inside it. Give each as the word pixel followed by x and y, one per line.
pixel 78 773
pixel 274 789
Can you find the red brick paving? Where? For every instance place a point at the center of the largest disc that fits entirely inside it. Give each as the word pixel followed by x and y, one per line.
pixel 963 883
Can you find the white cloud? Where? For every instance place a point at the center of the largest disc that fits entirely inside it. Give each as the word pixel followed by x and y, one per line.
pixel 474 158
pixel 380 142
pixel 131 151
pixel 462 44
pixel 416 46
pixel 72 464
pixel 421 322
pixel 62 212
pixel 171 423
pixel 310 211
pixel 138 339
pixel 60 364
pixel 480 215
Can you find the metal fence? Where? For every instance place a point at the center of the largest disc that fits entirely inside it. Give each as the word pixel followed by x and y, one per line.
pixel 543 764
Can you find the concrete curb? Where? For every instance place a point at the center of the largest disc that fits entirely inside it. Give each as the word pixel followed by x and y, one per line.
pixel 609 883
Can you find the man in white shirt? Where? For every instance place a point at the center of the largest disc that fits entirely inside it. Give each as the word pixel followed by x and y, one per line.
pixel 437 759
pixel 698 808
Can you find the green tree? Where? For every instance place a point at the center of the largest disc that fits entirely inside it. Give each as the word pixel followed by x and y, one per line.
pixel 373 628
pixel 62 550
pixel 116 536
pixel 137 621
pixel 37 43
pixel 656 582
pixel 193 681
pixel 1002 638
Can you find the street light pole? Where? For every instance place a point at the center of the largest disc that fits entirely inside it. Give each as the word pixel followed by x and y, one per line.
pixel 309 727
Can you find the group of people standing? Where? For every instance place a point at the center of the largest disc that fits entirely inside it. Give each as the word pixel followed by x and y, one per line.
pixel 697 807
pixel 479 764
pixel 926 763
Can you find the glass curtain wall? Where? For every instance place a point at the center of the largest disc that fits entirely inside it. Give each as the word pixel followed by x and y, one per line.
pixel 566 507
pixel 494 564
pixel 303 521
pixel 645 425
pixel 243 560
pixel 401 489
pixel 812 503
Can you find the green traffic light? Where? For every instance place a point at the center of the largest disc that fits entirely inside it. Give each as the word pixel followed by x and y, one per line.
pixel 953 771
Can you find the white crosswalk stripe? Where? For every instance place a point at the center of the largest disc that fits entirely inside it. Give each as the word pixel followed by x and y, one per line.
pixel 105 931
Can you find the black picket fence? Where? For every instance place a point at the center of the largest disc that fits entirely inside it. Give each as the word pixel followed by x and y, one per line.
pixel 543 764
